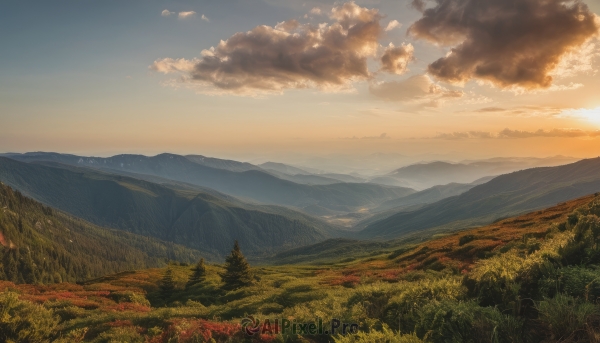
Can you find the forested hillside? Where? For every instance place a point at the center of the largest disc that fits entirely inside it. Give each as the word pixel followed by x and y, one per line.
pixel 42 245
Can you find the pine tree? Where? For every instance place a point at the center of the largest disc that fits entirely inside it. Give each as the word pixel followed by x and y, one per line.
pixel 167 286
pixel 237 270
pixel 199 273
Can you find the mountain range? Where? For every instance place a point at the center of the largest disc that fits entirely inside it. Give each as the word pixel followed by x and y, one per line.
pixel 503 196
pixel 196 219
pixel 253 185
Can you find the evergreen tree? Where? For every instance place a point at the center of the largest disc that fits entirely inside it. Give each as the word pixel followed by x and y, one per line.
pixel 199 273
pixel 167 286
pixel 237 270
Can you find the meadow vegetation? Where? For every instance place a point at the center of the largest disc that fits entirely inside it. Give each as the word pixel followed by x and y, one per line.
pixel 533 278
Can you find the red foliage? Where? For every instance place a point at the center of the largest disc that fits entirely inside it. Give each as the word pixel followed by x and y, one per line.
pixel 188 330
pixel 346 281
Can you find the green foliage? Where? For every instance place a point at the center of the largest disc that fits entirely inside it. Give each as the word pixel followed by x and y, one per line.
pixel 46 246
pixel 119 335
pixel 384 336
pixel 237 270
pixel 198 274
pixel 465 239
pixel 565 317
pixel 167 286
pixel 24 322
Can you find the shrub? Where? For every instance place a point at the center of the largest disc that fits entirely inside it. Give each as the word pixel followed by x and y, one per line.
pixel 384 336
pixel 130 297
pixel 129 334
pixel 24 321
pixel 465 239
pixel 415 295
pixel 566 317
pixel 458 321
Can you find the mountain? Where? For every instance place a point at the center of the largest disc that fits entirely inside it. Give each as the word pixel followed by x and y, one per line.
pixel 42 245
pixel 297 175
pixel 283 168
pixel 252 184
pixel 426 196
pixel 195 219
pixel 222 164
pixel 425 175
pixel 503 196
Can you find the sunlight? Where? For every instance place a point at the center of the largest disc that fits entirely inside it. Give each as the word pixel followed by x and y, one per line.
pixel 591 114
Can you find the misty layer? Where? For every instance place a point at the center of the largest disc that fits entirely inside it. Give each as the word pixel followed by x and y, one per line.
pixel 293 55
pixel 508 133
pixel 508 43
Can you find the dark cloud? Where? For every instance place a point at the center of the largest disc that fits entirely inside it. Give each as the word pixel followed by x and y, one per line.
pixel 510 43
pixel 395 59
pixel 508 134
pixel 419 5
pixel 290 55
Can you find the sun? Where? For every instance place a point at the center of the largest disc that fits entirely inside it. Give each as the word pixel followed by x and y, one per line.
pixel 591 114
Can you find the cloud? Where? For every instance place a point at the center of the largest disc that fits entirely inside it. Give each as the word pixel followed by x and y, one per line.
pixel 166 13
pixel 395 59
pixel 205 18
pixel 185 15
pixel 419 88
pixel 524 111
pixel 381 136
pixel 516 43
pixel 419 5
pixel 289 56
pixel 518 134
pixel 315 10
pixel 392 25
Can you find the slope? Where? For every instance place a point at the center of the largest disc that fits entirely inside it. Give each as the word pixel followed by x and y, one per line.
pixel 42 245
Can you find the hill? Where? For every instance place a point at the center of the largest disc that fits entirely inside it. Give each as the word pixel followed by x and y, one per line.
pixel 195 219
pixel 252 184
pixel 41 245
pixel 503 196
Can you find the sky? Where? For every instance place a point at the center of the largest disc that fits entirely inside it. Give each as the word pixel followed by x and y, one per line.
pixel 278 79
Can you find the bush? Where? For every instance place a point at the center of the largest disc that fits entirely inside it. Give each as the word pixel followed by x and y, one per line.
pixel 413 296
pixel 384 336
pixel 457 321
pixel 130 297
pixel 24 321
pixel 564 317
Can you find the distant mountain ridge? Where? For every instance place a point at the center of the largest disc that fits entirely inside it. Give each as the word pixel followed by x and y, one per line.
pixel 197 220
pixel 251 184
pixel 427 174
pixel 505 195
